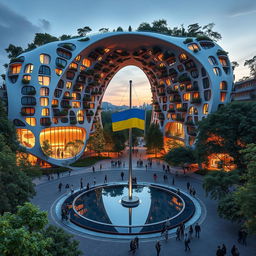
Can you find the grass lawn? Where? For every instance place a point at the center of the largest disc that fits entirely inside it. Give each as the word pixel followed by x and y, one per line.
pixel 88 161
pixel 54 170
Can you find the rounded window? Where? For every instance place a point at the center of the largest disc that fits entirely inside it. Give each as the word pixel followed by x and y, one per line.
pixel 26 137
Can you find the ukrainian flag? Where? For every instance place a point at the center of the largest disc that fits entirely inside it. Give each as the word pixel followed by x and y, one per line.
pixel 131 118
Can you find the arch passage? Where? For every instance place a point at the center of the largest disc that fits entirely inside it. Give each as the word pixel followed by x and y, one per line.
pixel 69 79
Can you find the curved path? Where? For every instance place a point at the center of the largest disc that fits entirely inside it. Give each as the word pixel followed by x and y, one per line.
pixel 215 230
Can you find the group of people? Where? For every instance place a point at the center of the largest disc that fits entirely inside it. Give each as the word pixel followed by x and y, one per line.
pixel 65 213
pixel 242 236
pixel 117 163
pixel 191 189
pixel 222 251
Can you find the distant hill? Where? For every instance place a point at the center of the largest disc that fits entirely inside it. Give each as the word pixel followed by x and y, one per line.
pixel 107 106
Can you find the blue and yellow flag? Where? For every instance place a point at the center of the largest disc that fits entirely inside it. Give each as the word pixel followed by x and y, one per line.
pixel 131 118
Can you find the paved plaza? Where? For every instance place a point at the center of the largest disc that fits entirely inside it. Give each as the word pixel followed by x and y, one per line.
pixel 215 231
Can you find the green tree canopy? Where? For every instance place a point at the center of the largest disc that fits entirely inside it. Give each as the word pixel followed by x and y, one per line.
pixel 154 138
pixel 24 233
pixel 251 63
pixel 228 130
pixel 180 155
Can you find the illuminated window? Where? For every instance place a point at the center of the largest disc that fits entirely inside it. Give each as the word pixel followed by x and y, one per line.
pixel 14 69
pixel 76 104
pixel 193 47
pixel 27 111
pixel 223 85
pixel 82 68
pixel 195 111
pixel 205 109
pixel 65 142
pixel 31 121
pixel 183 57
pixel 73 66
pixel 44 101
pixel 86 62
pixel 68 85
pixel 29 68
pixel 76 96
pixel 45 112
pixel 168 82
pixel 175 129
pixel 212 60
pixel 44 80
pixel 162 65
pixel 25 137
pixel 223 61
pixel 78 58
pixel 99 58
pixel 106 50
pixel 45 59
pixel 55 102
pixel 55 120
pixel 44 91
pixel 216 71
pixel 223 96
pixel 58 71
pixel 186 96
pixel 44 70
pixel 27 77
pixel 80 116
pixel 196 95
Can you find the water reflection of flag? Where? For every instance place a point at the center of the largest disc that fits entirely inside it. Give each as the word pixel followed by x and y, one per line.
pixel 132 118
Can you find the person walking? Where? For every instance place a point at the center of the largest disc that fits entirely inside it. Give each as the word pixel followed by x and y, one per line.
pixel 72 189
pixel 224 249
pixel 94 181
pixel 105 179
pixel 219 252
pixel 146 167
pixel 173 181
pixel 136 240
pixel 197 230
pixel 178 233
pixel 187 242
pixel 93 169
pixel 81 184
pixel 188 185
pixel 132 246
pixel 234 251
pixel 155 177
pixel 244 237
pixel 158 248
pixel 166 235
pixel 100 167
pixel 60 186
pixel 122 175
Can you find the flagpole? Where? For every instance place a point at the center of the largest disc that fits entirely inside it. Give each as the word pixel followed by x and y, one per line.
pixel 130 148
pixel 130 200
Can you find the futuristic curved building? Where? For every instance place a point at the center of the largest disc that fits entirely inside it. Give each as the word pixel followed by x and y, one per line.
pixel 55 91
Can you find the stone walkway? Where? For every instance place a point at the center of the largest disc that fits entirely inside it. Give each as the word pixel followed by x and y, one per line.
pixel 215 230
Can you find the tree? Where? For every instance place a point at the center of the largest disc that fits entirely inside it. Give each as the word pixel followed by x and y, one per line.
pixel 119 29
pixel 44 38
pixel 154 138
pixel 234 64
pixel 74 147
pixel 98 140
pixel 180 156
pixel 47 148
pixel 218 184
pixel 65 37
pixel 130 29
pixel 251 63
pixel 227 131
pixel 103 30
pixel 83 31
pixel 13 51
pixel 24 234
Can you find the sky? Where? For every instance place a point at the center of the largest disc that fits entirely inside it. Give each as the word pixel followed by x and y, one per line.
pixel 234 19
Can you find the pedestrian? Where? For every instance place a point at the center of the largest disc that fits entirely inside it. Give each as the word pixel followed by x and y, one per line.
pixel 163 167
pixel 81 184
pixel 105 179
pixel 191 230
pixel 94 181
pixel 168 169
pixel 132 246
pixel 122 175
pixel 234 251
pixel 146 167
pixel 58 175
pixel 224 249
pixel 165 178
pixel 178 233
pixel 72 189
pixel 219 252
pixel 88 186
pixel 69 172
pixel 100 167
pixel 188 185
pixel 155 177
pixel 244 237
pixel 194 192
pixel 166 235
pixel 60 186
pixel 240 235
pixel 187 242
pixel 158 248
pixel 136 240
pixel 173 181
pixel 93 169
pixel 182 229
pixel 67 186
pixel 63 214
pixel 197 230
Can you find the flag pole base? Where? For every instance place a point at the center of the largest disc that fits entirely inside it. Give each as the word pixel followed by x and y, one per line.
pixel 130 202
